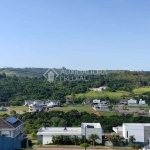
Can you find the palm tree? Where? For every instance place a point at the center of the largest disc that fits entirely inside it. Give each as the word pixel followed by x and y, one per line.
pixel 93 138
pixel 113 139
pixel 75 139
pixel 132 138
pixel 120 139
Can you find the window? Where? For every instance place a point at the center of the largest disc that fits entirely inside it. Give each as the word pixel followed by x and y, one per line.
pixel 127 134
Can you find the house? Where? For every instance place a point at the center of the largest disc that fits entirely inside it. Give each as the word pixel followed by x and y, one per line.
pixel 99 89
pixel 123 101
pixel 96 101
pixel 12 127
pixel 35 108
pixel 141 131
pixel 87 102
pixel 38 102
pixel 52 103
pixel 28 102
pixel 69 102
pixel 101 107
pixel 142 102
pixel 45 134
pixel 132 102
pixel 105 102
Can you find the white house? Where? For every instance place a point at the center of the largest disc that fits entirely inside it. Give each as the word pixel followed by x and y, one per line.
pixel 99 89
pixel 45 134
pixel 35 108
pixel 28 102
pixel 38 102
pixel 132 102
pixel 96 101
pixel 141 131
pixel 101 107
pixel 12 127
pixel 52 103
pixel 142 102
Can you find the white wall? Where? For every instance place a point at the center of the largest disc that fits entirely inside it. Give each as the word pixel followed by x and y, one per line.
pixel 90 131
pixel 136 130
pixel 47 139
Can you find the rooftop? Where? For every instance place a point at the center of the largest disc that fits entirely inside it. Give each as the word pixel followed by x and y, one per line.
pixel 136 124
pixel 59 131
pixel 95 125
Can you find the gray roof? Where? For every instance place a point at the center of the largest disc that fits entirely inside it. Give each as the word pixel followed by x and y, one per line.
pixel 6 124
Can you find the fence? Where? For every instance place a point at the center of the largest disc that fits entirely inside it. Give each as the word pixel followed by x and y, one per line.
pixel 7 143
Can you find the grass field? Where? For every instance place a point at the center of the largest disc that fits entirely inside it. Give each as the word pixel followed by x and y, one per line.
pixel 141 90
pixel 98 95
pixel 87 108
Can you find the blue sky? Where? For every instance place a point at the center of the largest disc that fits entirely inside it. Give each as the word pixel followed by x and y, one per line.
pixel 76 34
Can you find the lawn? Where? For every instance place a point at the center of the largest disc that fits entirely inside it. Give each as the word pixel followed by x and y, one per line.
pixel 19 108
pixel 141 90
pixel 87 108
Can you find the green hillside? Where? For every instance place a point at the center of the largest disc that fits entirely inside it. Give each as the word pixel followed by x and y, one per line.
pixel 112 95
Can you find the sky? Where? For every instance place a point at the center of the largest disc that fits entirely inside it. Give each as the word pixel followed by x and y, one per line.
pixel 76 34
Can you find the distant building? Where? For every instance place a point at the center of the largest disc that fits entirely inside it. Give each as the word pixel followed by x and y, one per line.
pixel 99 88
pixel 142 102
pixel 87 102
pixel 52 103
pixel 123 101
pixel 132 102
pixel 141 131
pixel 45 134
pixel 38 102
pixel 96 101
pixel 69 102
pixel 101 107
pixel 35 108
pixel 12 127
pixel 28 102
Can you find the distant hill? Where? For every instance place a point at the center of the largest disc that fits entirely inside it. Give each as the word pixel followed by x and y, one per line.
pixel 38 72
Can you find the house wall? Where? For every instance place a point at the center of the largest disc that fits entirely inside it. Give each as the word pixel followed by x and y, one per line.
pixel 136 130
pixel 90 131
pixel 47 139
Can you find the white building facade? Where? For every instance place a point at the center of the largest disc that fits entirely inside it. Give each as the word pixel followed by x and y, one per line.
pixel 132 102
pixel 45 134
pixel 141 131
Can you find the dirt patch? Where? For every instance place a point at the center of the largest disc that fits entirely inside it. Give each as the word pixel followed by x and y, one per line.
pixel 97 113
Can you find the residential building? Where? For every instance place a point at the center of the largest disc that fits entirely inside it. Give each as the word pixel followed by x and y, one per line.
pixel 28 102
pixel 132 102
pixel 52 103
pixel 35 108
pixel 96 101
pixel 87 102
pixel 45 134
pixel 38 102
pixel 101 107
pixel 123 101
pixel 12 127
pixel 142 102
pixel 99 89
pixel 141 131
pixel 69 102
